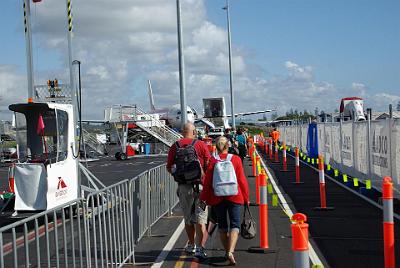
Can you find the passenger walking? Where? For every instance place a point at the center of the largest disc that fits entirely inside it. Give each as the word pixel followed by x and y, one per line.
pixel 242 146
pixel 250 142
pixel 275 136
pixel 229 136
pixel 226 189
pixel 187 159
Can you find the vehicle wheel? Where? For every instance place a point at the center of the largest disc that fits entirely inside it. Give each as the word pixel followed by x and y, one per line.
pixel 118 155
pixel 123 156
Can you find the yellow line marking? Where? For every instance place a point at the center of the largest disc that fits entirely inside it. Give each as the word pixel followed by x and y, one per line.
pixel 181 262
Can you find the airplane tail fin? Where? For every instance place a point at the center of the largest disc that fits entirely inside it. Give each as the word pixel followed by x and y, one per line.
pixel 152 107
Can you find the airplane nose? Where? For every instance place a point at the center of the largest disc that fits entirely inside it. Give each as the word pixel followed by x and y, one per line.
pixel 190 118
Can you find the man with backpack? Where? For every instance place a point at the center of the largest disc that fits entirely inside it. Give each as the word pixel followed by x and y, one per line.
pixel 187 161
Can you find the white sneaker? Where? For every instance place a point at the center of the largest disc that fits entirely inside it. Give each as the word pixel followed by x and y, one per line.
pixel 200 253
pixel 190 249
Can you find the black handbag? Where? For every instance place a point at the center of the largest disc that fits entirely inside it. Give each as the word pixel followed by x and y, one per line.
pixel 248 228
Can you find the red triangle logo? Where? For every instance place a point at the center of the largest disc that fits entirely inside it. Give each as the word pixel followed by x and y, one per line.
pixel 61 184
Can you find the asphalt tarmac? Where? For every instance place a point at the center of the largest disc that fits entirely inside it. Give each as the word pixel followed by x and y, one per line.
pixel 107 168
pixel 351 233
pixel 280 255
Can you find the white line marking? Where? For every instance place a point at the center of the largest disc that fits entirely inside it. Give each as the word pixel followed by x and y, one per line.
pixel 313 255
pixel 170 244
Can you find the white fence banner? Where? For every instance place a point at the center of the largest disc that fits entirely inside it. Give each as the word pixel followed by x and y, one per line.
pixel 304 134
pixel 347 144
pixel 335 139
pixel 396 152
pixel 354 148
pixel 380 148
pixel 361 146
pixel 321 139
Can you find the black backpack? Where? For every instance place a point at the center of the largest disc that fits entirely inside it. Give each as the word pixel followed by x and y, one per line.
pixel 188 167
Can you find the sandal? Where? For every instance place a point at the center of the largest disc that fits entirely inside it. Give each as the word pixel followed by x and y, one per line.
pixel 230 258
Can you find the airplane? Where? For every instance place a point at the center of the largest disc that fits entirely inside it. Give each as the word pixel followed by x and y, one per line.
pixel 210 119
pixel 172 115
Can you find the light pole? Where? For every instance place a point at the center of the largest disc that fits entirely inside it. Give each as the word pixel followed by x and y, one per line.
pixel 77 94
pixel 79 104
pixel 230 65
pixel 28 40
pixel 181 65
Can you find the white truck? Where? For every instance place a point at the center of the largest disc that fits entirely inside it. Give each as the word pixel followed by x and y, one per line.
pixel 352 108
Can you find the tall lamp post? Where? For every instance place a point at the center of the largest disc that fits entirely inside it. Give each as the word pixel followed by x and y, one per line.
pixel 77 94
pixel 230 65
pixel 181 66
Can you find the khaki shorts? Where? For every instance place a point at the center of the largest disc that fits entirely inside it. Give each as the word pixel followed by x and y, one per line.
pixel 186 198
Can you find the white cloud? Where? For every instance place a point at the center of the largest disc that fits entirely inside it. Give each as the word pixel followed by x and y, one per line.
pixel 11 84
pixel 122 43
pixel 299 72
pixel 99 71
pixel 381 101
pixel 210 36
pixel 360 89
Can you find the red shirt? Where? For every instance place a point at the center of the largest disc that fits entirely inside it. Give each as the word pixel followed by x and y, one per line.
pixel 201 149
pixel 208 195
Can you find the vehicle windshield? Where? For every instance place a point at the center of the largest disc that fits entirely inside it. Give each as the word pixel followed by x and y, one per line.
pixel 42 135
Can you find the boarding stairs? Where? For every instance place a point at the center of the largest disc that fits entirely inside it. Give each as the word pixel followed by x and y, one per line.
pixel 11 133
pixel 91 141
pixel 156 128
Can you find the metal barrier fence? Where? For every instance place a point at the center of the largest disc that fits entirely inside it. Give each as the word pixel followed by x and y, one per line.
pixel 50 238
pixel 366 149
pixel 100 230
pixel 109 226
pixel 154 196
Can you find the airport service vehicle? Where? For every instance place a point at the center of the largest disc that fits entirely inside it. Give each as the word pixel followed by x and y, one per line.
pixel 128 119
pixel 215 111
pixel 352 108
pixel 47 171
pixel 215 132
pixel 46 174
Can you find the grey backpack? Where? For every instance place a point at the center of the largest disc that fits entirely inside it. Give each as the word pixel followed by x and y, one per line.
pixel 188 167
pixel 224 177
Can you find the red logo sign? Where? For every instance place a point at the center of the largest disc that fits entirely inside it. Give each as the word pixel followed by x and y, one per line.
pixel 61 184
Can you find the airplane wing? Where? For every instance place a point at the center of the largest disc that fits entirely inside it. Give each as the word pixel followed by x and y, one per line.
pixel 250 113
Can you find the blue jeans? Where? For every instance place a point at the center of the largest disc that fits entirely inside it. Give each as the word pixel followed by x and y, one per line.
pixel 224 209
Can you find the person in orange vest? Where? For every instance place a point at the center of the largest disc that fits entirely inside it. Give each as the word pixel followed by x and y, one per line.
pixel 249 141
pixel 275 136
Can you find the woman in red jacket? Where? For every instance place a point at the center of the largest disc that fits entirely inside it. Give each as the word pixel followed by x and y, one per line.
pixel 226 205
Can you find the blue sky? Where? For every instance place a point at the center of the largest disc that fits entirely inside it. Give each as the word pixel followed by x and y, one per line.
pixel 345 41
pixel 286 53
